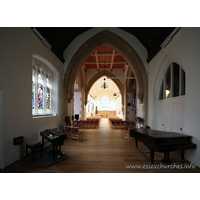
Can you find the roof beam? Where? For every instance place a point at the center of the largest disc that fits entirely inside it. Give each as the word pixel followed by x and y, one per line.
pixel 90 63
pixel 126 65
pixel 113 55
pixel 97 61
pixel 104 54
pixel 84 67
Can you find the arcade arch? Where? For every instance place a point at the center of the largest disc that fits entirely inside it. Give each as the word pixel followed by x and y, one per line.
pixel 120 45
pixel 99 75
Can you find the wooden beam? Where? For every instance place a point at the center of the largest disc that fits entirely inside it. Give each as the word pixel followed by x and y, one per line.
pixel 113 55
pixel 97 62
pixel 126 65
pixel 105 54
pixel 90 63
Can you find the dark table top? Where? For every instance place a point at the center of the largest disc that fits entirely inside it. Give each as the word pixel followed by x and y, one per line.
pixel 157 133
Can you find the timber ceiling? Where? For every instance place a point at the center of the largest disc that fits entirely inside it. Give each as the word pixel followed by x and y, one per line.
pixel 98 86
pixel 60 38
pixel 105 58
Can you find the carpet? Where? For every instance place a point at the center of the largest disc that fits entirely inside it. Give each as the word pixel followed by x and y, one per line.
pixel 47 158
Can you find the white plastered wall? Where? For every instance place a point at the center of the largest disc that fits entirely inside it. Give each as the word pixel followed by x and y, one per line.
pixel 18 45
pixel 183 49
pixel 78 104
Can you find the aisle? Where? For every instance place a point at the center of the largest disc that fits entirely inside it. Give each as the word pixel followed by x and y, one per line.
pixel 104 125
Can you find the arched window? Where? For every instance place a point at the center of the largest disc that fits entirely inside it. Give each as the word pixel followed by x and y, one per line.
pixel 42 84
pixel 173 83
pixel 105 103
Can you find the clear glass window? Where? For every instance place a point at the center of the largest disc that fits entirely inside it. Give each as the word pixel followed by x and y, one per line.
pixel 173 83
pixel 183 82
pixel 168 83
pixel 176 79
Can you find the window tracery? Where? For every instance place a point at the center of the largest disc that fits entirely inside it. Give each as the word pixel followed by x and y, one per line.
pixel 105 103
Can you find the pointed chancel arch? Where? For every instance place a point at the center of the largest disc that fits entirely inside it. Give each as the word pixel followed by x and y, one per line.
pixel 99 75
pixel 107 38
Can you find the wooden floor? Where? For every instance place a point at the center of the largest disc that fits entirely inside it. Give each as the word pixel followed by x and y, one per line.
pixel 104 150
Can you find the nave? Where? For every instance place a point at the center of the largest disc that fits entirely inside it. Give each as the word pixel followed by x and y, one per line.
pixel 104 150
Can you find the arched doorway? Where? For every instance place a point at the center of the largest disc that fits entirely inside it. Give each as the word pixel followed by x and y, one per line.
pixel 114 41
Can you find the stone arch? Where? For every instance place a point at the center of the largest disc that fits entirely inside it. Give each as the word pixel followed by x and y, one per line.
pixel 79 80
pixel 129 82
pixel 99 75
pixel 120 45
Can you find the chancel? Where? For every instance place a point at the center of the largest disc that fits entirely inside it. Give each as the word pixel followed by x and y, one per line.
pixel 99 80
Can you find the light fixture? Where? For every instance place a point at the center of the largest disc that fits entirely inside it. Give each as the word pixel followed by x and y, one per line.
pixel 104 85
pixel 115 94
pixel 167 93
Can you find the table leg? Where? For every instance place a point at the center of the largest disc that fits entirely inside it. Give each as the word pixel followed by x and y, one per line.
pixel 183 155
pixel 53 152
pixel 166 158
pixel 136 144
pixel 152 157
pixel 42 142
pixel 32 151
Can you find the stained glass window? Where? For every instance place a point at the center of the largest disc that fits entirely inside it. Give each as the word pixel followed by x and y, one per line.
pixel 42 83
pixel 40 91
pixel 48 92
pixel 33 90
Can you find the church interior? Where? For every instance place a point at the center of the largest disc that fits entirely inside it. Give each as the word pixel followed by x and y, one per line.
pixel 64 76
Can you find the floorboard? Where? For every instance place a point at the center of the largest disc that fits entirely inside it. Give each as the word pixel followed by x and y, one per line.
pixel 104 150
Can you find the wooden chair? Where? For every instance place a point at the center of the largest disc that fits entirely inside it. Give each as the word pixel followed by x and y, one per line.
pixel 34 145
pixel 126 124
pixel 96 123
pixel 68 131
pixel 88 123
pixel 114 124
pixel 84 123
pixel 127 134
pixel 76 134
pixel 118 124
pixel 61 127
pixel 75 123
pixel 79 123
pixel 93 123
